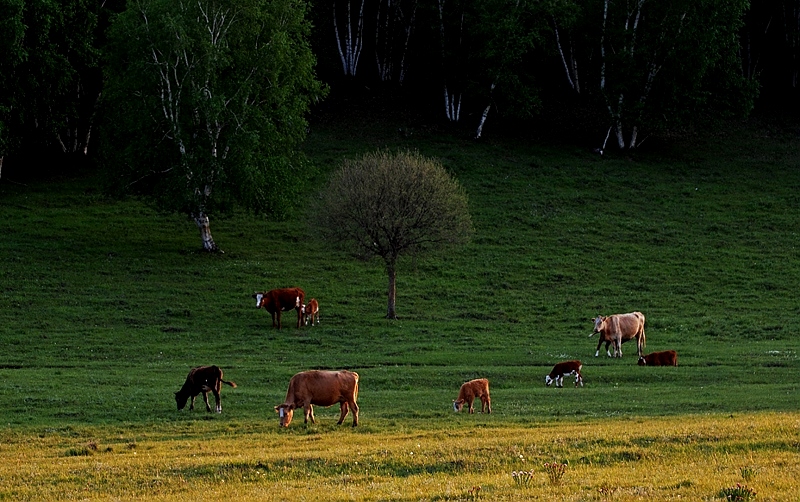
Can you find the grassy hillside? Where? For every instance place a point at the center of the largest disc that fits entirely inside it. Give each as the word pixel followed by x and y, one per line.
pixel 105 305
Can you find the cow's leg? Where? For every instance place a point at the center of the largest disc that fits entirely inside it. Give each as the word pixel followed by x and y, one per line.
pixel 205 398
pixel 344 410
pixel 599 344
pixel 299 316
pixel 273 319
pixel 218 399
pixel 354 407
pixel 278 313
pixel 578 379
pixel 471 407
pixel 191 404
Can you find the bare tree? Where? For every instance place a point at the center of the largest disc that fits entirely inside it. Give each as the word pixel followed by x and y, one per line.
pixel 385 205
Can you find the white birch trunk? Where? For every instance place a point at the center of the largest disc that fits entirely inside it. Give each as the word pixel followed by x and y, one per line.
pixel 571 68
pixel 485 114
pixel 202 222
pixel 452 106
pixel 350 47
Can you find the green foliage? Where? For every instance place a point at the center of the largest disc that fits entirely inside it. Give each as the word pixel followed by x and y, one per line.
pixel 49 52
pixel 207 102
pixel 389 205
pixel 738 493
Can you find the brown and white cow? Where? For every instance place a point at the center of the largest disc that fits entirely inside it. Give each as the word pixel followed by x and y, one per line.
pixel 663 358
pixel 278 300
pixel 310 312
pixel 617 329
pixel 478 388
pixel 203 379
pixel 566 368
pixel 320 388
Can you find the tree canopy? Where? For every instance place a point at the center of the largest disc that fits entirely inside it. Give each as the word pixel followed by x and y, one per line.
pixel 388 205
pixel 208 102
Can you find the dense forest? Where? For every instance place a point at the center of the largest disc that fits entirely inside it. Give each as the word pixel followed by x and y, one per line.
pixel 605 73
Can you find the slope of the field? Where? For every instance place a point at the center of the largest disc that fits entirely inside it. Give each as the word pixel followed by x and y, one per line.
pixel 106 304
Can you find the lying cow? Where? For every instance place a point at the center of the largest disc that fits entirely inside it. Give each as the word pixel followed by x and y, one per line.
pixel 478 388
pixel 310 312
pixel 566 368
pixel 663 358
pixel 203 379
pixel 279 300
pixel 617 329
pixel 320 388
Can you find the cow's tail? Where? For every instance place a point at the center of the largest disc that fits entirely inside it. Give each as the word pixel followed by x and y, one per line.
pixel 231 383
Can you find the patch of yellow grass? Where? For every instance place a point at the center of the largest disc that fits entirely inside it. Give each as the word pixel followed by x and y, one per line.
pixel 675 458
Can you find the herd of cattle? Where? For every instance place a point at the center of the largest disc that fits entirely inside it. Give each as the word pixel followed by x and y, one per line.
pixel 326 388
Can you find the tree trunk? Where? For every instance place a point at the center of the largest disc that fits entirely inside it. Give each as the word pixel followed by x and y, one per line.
pixel 201 220
pixel 392 272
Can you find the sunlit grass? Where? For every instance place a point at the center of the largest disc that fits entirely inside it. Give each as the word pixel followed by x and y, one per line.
pixel 621 459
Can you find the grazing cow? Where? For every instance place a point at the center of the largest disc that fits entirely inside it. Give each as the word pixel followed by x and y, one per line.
pixel 203 379
pixel 321 388
pixel 469 391
pixel 663 358
pixel 618 329
pixel 278 300
pixel 566 368
pixel 310 312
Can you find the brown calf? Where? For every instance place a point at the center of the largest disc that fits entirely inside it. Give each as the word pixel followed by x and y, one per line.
pixel 310 312
pixel 478 388
pixel 321 388
pixel 203 379
pixel 278 300
pixel 663 358
pixel 561 370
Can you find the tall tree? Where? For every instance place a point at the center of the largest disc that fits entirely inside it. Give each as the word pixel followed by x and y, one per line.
pixel 651 64
pixel 207 102
pixel 384 205
pixel 49 56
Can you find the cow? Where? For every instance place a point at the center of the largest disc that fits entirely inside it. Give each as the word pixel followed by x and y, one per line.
pixel 663 358
pixel 310 312
pixel 203 379
pixel 278 300
pixel 478 388
pixel 566 368
pixel 618 329
pixel 320 388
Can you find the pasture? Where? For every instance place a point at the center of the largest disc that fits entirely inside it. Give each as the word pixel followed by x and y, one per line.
pixel 105 305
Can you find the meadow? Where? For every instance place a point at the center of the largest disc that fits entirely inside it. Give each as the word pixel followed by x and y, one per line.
pixel 106 304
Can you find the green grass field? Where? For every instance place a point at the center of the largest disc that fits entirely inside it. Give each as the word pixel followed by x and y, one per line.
pixel 105 305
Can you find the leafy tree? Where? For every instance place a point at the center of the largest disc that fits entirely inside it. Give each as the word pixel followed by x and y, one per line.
pixel 384 205
pixel 49 54
pixel 207 104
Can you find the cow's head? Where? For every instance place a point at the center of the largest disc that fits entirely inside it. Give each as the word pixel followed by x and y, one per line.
pixel 285 413
pixel 642 361
pixel 259 297
pixel 180 400
pixel 598 324
pixel 548 380
pixel 458 405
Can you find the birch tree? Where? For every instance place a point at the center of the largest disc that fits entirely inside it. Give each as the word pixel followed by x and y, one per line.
pixel 389 205
pixel 393 28
pixel 649 61
pixel 348 28
pixel 207 100
pixel 50 79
